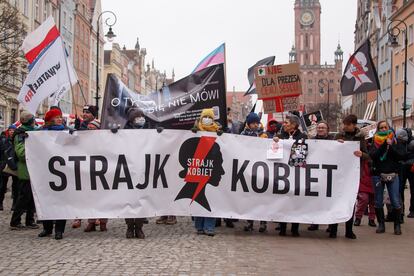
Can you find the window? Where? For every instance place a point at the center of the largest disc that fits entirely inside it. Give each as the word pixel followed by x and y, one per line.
pixel 45 9
pixel 2 115
pixel 396 108
pixel 26 7
pixel 13 117
pixel 389 79
pixel 382 54
pixel 64 19
pixel 37 10
pixel 81 61
pixel 69 50
pixel 70 24
pixel 309 81
pixel 381 82
pixel 310 91
pixel 397 73
pixel 410 35
pixel 402 71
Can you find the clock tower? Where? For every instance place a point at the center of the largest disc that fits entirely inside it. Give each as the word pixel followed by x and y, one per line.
pixel 308 32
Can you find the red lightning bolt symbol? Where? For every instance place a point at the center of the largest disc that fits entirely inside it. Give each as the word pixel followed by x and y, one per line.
pixel 203 148
pixel 359 70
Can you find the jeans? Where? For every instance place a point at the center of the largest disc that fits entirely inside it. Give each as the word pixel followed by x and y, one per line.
pixel 393 189
pixel 205 224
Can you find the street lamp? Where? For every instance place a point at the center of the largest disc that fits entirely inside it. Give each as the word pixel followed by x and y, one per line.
pixel 110 36
pixel 322 83
pixel 394 32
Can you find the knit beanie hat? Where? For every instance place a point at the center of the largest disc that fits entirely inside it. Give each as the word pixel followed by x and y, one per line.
pixel 207 112
pixel 402 135
pixel 95 123
pixel 12 127
pixel 52 113
pixel 26 117
pixel 252 118
pixel 92 109
pixel 134 112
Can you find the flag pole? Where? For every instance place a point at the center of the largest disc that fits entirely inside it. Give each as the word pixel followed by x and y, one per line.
pixel 67 70
pixel 225 88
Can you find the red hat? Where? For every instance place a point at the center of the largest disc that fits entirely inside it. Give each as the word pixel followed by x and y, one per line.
pixel 52 114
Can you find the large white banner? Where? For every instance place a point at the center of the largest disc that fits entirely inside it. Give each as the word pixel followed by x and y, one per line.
pixel 142 173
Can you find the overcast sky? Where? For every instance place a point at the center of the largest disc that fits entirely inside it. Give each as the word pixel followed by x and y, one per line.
pixel 179 33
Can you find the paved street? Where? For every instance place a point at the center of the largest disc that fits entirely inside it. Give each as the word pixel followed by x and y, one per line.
pixel 177 250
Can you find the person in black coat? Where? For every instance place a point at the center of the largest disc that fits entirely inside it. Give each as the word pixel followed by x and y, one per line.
pixel 136 120
pixel 290 130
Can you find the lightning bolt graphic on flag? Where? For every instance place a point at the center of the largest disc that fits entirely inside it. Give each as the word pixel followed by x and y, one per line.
pixel 203 148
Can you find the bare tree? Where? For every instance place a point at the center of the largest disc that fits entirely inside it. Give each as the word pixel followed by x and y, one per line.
pixel 12 32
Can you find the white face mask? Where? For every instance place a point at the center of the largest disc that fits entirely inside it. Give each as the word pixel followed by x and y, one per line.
pixel 207 121
pixel 139 121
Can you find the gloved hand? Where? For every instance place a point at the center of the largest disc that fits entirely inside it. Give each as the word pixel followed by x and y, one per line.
pixel 77 123
pixel 194 130
pixel 160 129
pixel 114 129
pixel 219 132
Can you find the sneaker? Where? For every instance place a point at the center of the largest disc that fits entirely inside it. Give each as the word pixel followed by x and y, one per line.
pixel 171 220
pixel 410 215
pixel 161 220
pixel 229 224
pixel 210 233
pixel 200 232
pixel 357 222
pixel 17 227
pixel 248 227
pixel 262 228
pixel 44 233
pixel 32 226
pixel 76 223
pixel 351 236
pixel 58 235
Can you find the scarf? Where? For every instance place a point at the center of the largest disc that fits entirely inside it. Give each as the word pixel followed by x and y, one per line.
pixel 213 127
pixel 54 127
pixel 380 137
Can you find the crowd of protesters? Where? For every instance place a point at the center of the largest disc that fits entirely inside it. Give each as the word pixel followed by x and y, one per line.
pixel 387 162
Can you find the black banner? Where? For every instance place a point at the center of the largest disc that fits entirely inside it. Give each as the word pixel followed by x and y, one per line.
pixel 176 106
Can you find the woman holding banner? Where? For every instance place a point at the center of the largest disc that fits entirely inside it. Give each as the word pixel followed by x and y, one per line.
pixel 290 130
pixel 53 121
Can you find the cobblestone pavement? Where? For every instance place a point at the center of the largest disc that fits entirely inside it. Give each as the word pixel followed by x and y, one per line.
pixel 177 250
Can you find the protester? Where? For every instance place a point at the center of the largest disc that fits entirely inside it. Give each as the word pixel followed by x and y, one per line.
pixel 102 222
pixel 136 120
pixel 206 225
pixel 350 132
pixel 386 154
pixel 254 128
pixel 410 164
pixel 6 145
pixel 53 121
pixel 273 128
pixel 322 133
pixel 25 198
pixel 405 168
pixel 90 113
pixel 290 130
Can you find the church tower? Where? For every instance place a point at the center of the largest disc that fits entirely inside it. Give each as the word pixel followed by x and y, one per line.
pixel 308 32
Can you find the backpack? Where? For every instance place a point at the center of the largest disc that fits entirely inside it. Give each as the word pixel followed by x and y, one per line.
pixel 10 157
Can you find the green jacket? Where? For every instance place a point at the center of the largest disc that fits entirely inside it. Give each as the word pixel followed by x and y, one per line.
pixel 19 148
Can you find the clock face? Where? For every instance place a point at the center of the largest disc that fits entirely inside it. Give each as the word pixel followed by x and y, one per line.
pixel 306 18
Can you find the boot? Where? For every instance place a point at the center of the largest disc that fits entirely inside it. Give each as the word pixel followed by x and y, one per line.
pixel 130 230
pixel 397 221
pixel 218 222
pixel 282 231
pixel 371 223
pixel 171 220
pixel 249 226
pixel 263 226
pixel 295 229
pixel 161 220
pixel 390 214
pixel 229 223
pixel 58 235
pixel 90 227
pixel 333 230
pixel 381 221
pixel 138 229
pixel 357 222
pixel 102 226
pixel 348 229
